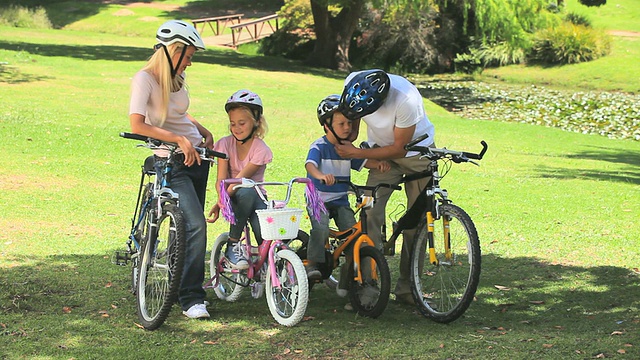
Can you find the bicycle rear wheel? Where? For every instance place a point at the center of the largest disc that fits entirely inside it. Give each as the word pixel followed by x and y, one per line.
pixel 229 281
pixel 444 290
pixel 372 296
pixel 288 302
pixel 160 271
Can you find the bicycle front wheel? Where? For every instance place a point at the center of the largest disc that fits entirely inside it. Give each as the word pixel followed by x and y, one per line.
pixel 443 289
pixel 160 268
pixel 370 297
pixel 288 302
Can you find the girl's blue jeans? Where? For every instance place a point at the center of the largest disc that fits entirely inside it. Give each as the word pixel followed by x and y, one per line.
pixel 245 202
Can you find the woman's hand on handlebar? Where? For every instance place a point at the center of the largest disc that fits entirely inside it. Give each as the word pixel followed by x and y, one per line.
pixel 208 141
pixel 191 155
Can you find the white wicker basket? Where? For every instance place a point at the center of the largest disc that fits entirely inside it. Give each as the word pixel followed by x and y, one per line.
pixel 279 224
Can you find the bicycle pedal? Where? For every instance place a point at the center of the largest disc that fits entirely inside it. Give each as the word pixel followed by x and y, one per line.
pixel 121 258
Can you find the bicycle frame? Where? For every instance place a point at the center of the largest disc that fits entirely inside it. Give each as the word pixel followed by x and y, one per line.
pixel 356 236
pixel 264 252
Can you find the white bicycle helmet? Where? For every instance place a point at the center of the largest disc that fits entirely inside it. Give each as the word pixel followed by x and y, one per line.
pixel 179 31
pixel 244 98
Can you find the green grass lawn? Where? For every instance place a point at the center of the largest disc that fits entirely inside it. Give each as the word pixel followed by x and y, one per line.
pixel 556 213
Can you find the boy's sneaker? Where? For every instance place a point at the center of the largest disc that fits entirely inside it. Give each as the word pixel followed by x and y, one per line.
pixel 236 256
pixel 197 311
pixel 313 274
pixel 341 292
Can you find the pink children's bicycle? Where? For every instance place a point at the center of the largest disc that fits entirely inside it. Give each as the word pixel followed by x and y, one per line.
pixel 272 264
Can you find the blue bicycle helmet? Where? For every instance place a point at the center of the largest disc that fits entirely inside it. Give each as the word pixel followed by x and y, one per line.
pixel 364 93
pixel 327 107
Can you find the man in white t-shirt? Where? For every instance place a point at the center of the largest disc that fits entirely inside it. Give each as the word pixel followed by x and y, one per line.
pixel 393 110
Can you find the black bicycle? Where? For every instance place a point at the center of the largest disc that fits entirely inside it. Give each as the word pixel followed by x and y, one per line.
pixel 445 259
pixel 156 243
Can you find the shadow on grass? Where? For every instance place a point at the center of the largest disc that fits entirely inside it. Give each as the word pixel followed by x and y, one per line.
pixel 65 305
pixel 629 159
pixel 13 75
pixel 126 53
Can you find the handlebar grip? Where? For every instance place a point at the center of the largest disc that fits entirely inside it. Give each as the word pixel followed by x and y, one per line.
pixel 481 154
pixel 133 136
pixel 415 141
pixel 212 153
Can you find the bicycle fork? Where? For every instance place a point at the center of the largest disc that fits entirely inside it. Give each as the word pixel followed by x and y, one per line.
pixel 357 262
pixel 446 237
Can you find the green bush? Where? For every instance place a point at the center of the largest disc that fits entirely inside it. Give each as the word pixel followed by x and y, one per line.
pixel 294 39
pixel 467 63
pixel 569 44
pixel 23 17
pixel 577 19
pixel 500 54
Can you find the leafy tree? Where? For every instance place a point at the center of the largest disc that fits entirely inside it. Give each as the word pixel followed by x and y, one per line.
pixel 490 21
pixel 334 32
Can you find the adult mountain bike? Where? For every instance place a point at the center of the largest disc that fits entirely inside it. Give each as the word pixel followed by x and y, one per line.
pixel 156 243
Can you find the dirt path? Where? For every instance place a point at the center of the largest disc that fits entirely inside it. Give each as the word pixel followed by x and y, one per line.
pixel 624 33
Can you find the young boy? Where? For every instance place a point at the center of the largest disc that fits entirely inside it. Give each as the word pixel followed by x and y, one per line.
pixel 324 166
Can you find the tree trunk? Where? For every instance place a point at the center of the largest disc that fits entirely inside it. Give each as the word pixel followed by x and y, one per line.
pixel 333 34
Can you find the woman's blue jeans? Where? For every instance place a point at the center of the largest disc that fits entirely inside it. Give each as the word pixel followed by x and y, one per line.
pixel 191 184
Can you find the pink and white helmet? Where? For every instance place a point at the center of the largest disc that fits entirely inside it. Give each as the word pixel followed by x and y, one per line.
pixel 244 98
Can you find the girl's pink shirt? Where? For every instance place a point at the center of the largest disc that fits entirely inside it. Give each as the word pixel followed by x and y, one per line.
pixel 260 154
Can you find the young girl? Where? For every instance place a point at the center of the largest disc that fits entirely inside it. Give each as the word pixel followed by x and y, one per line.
pixel 158 109
pixel 248 158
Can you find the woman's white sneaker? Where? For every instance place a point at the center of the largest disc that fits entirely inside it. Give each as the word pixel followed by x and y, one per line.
pixel 197 311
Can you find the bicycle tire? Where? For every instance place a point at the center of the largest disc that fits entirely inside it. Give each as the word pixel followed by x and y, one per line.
pixel 229 288
pixel 140 233
pixel 372 296
pixel 161 268
pixel 444 292
pixel 288 303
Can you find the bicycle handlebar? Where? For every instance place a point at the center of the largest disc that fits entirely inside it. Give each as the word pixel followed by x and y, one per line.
pixel 204 152
pixel 249 183
pixel 438 153
pixel 373 189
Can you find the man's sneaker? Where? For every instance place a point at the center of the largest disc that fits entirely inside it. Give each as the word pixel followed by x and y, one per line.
pixel 341 292
pixel 197 311
pixel 236 256
pixel 313 274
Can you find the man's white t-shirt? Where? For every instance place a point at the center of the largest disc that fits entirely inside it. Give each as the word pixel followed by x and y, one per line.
pixel 402 108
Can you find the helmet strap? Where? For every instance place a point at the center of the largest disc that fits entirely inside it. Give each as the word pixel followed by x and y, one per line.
pixel 242 141
pixel 330 126
pixel 174 70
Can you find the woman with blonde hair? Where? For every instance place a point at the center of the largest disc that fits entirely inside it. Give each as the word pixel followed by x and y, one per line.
pixel 158 109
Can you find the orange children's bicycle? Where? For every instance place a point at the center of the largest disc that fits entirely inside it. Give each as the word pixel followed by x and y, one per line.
pixel 367 271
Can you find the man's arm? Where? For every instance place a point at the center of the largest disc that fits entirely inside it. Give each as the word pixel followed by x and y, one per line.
pixel 401 137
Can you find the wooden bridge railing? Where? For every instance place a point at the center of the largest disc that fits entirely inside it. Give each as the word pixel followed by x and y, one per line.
pixel 216 23
pixel 253 30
